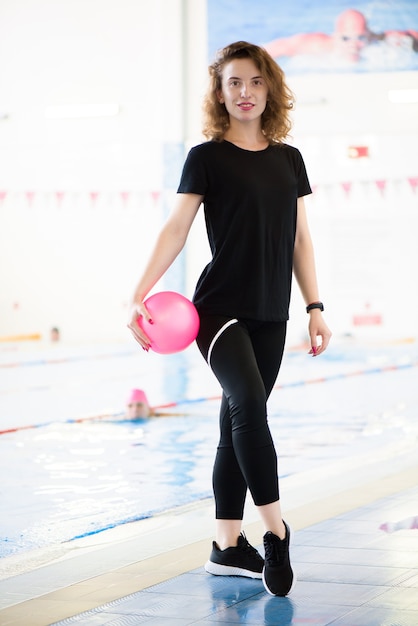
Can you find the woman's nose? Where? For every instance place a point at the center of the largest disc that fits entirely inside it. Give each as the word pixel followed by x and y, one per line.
pixel 244 89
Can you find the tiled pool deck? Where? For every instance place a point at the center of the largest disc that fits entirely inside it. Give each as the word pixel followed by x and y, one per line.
pixel 350 573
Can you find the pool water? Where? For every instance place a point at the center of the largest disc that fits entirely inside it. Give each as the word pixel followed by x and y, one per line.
pixel 63 478
pixel 264 21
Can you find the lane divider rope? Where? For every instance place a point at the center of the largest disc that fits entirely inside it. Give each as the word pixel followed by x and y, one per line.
pixel 298 383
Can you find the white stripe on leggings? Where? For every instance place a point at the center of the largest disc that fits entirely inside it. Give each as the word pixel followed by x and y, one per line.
pixel 218 334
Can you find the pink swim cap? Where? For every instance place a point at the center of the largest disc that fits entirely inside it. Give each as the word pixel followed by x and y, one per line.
pixel 137 395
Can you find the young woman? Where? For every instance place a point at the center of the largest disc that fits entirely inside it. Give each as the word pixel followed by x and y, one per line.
pixel 252 185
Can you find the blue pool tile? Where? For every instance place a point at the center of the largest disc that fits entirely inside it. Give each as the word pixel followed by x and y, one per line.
pixel 398 598
pixel 366 616
pixel 228 589
pixel 334 593
pixel 339 526
pixel 109 619
pixel 334 539
pixel 270 611
pixel 356 574
pixel 305 555
pixel 405 541
pixel 262 609
pixel 164 605
pixel 412 580
pixel 344 579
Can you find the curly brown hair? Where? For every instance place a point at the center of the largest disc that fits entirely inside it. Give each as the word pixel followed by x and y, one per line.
pixel 275 120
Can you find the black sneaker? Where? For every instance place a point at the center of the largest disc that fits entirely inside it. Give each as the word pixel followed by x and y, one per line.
pixel 242 560
pixel 278 576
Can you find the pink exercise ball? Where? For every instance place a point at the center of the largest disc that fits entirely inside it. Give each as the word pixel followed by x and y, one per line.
pixel 175 322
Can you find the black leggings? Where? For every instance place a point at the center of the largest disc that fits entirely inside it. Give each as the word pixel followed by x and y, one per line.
pixel 245 356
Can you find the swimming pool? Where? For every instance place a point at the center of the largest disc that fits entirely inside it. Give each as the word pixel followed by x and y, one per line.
pixel 265 21
pixel 63 478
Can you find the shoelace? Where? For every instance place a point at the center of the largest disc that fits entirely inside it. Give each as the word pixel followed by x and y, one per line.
pixel 275 551
pixel 247 547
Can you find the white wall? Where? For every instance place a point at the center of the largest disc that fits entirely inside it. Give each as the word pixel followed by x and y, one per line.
pixel 70 258
pixel 364 236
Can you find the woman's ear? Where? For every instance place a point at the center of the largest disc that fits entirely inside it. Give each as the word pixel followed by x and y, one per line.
pixel 220 96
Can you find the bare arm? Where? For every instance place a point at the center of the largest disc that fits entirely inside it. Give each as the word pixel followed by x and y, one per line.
pixel 303 43
pixel 168 245
pixel 305 273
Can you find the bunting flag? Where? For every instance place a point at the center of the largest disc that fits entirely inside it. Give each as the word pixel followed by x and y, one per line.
pixel 381 185
pixel 59 196
pixel 347 188
pixel 414 183
pixel 30 197
pixel 128 197
pixel 93 197
pixel 155 196
pixel 125 197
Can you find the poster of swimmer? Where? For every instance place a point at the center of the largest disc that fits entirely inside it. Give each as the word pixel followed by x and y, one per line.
pixel 331 36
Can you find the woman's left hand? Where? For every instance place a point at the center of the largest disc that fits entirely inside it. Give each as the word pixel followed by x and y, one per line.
pixel 318 328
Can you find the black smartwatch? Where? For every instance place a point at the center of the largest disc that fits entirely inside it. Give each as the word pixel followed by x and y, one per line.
pixel 315 305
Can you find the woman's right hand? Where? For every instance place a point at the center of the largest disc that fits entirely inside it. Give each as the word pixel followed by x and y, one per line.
pixel 139 310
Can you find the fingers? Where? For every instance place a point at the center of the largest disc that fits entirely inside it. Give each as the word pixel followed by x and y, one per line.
pixel 325 334
pixel 140 311
pixel 326 337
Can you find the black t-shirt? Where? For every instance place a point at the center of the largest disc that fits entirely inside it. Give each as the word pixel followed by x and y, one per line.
pixel 250 204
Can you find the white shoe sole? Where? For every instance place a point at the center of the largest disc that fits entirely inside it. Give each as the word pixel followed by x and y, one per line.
pixel 227 570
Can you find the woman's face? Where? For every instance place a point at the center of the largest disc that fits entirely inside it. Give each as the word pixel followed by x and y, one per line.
pixel 243 91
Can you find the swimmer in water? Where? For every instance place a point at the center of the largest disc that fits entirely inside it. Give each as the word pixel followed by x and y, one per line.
pixel 137 405
pixel 348 41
